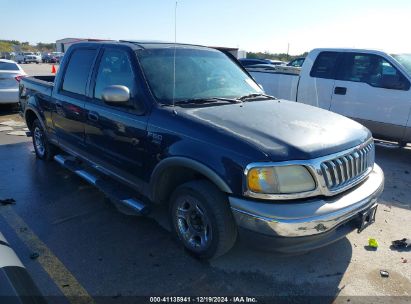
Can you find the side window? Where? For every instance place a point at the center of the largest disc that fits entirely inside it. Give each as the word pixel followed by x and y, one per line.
pixel 295 63
pixel 299 62
pixel 77 72
pixel 325 65
pixel 373 70
pixel 114 69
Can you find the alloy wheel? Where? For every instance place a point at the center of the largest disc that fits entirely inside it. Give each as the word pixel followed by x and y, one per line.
pixel 193 224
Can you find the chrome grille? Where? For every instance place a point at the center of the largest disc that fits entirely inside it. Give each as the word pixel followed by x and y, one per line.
pixel 343 170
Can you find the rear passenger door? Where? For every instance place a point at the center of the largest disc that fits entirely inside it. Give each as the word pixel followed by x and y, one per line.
pixel 68 114
pixel 370 89
pixel 315 87
pixel 116 135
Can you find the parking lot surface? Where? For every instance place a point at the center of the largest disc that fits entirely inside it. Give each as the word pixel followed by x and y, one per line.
pixel 87 247
pixel 38 69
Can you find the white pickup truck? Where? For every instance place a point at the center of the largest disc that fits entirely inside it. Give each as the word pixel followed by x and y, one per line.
pixel 369 86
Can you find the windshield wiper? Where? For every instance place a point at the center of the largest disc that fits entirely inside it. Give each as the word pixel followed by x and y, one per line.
pixel 206 100
pixel 254 96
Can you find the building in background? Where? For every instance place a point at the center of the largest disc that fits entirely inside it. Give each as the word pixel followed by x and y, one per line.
pixel 233 51
pixel 63 44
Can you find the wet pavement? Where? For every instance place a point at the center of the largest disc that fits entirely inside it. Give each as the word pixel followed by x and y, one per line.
pixel 87 247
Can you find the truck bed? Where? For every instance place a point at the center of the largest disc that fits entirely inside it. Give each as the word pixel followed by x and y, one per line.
pixel 278 83
pixel 35 85
pixel 48 79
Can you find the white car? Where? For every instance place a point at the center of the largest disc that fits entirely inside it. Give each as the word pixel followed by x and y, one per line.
pixel 10 75
pixel 27 57
pixel 369 86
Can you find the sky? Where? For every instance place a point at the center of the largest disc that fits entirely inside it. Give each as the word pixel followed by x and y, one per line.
pixel 257 25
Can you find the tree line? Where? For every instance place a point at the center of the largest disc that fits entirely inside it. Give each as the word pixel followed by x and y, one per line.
pixel 7 46
pixel 274 56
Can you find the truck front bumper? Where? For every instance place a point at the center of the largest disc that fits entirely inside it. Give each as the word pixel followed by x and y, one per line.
pixel 302 225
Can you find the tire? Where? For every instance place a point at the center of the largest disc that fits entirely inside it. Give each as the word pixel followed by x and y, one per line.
pixel 42 147
pixel 202 220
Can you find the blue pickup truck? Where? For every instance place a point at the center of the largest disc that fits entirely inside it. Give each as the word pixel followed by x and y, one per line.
pixel 186 127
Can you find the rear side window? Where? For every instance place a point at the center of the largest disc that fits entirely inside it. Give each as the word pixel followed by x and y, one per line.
pixel 325 65
pixel 8 66
pixel 77 72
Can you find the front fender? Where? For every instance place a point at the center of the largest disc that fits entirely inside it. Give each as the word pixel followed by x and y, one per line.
pixel 184 162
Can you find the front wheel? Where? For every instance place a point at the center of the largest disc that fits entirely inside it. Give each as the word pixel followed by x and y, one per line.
pixel 202 219
pixel 43 149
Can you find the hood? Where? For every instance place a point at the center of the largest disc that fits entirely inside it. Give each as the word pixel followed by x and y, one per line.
pixel 283 130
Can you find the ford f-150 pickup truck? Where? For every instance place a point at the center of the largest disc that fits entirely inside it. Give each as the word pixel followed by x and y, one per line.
pixel 369 86
pixel 187 127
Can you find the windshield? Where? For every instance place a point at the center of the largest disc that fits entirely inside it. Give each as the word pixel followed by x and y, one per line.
pixel 199 74
pixel 405 60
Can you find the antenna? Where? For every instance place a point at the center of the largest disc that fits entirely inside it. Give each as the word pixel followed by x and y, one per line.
pixel 174 57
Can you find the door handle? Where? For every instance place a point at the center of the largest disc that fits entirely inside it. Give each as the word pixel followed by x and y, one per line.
pixel 93 116
pixel 340 90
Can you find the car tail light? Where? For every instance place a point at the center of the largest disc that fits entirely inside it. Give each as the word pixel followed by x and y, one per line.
pixel 19 77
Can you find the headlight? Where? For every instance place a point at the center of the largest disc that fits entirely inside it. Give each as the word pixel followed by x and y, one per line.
pixel 280 180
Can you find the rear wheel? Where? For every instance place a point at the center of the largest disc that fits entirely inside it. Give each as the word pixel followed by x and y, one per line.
pixel 43 149
pixel 202 219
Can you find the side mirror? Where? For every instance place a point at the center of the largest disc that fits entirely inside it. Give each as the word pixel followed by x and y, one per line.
pixel 116 95
pixel 392 82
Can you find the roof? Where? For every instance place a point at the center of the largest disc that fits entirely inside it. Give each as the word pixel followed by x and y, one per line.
pixel 153 44
pixel 146 44
pixel 353 50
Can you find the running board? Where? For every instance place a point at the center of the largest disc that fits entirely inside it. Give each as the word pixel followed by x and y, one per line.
pixel 116 192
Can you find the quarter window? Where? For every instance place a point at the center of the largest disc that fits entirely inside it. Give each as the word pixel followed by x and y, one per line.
pixel 77 72
pixel 114 69
pixel 325 65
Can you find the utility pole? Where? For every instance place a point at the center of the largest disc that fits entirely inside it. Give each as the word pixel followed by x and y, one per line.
pixel 288 48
